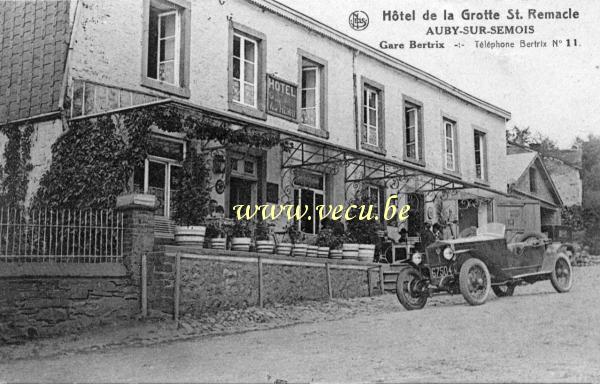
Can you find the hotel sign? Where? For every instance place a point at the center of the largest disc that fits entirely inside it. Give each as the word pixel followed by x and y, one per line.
pixel 282 98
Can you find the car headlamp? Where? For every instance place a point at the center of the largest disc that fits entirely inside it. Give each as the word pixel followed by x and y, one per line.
pixel 417 258
pixel 448 253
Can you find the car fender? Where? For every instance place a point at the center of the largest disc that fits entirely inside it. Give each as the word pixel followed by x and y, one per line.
pixel 550 255
pixel 465 254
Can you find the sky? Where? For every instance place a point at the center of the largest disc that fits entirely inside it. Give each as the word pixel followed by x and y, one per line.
pixel 554 91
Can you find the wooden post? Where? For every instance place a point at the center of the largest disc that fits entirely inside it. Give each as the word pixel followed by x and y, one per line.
pixel 369 283
pixel 328 273
pixel 177 287
pixel 144 286
pixel 381 281
pixel 260 282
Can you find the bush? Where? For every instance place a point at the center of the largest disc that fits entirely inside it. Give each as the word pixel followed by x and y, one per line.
pixel 362 231
pixel 328 238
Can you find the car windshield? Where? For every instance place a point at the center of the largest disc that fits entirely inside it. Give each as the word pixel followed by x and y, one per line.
pixel 492 229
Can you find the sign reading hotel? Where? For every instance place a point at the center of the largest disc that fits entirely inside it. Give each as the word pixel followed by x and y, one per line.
pixel 282 98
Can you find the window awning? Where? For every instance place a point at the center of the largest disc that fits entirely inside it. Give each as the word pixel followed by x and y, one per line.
pixel 312 153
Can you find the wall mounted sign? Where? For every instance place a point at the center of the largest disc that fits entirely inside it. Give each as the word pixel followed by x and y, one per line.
pixel 282 98
pixel 220 186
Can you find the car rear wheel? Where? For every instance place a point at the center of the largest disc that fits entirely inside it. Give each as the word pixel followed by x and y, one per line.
pixel 562 275
pixel 410 289
pixel 474 281
pixel 503 290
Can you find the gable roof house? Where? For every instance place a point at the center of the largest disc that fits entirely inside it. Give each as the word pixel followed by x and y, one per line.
pixel 534 199
pixel 356 118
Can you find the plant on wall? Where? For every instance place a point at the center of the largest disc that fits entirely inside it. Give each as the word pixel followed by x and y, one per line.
pixel 17 164
pixel 192 195
pixel 93 161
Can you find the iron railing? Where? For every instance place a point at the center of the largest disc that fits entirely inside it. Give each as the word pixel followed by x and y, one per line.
pixel 81 236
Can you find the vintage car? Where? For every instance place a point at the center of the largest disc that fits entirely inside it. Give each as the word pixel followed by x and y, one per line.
pixel 477 264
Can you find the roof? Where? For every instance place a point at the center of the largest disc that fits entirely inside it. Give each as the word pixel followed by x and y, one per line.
pixel 391 61
pixel 571 157
pixel 518 163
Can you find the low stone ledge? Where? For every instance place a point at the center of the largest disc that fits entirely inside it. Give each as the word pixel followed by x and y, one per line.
pixel 172 250
pixel 54 269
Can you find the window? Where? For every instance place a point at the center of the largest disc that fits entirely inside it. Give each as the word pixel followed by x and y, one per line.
pixel 310 96
pixel 245 59
pixel 371 115
pixel 413 131
pixel 532 180
pixel 309 192
pixel 161 173
pixel 450 146
pixel 247 76
pixel 480 156
pixel 312 80
pixel 166 46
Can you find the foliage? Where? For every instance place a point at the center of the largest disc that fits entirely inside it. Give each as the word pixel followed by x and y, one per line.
pixel 241 228
pixel 362 231
pixel 573 217
pixel 261 232
pixel 93 161
pixel 215 229
pixel 293 233
pixel 328 238
pixel 591 191
pixel 536 141
pixel 192 196
pixel 17 164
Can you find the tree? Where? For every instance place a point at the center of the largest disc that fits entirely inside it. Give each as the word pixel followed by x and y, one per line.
pixel 192 197
pixel 536 141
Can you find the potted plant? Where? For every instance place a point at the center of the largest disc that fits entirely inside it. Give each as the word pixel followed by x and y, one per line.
pixel 312 249
pixel 362 235
pixel 285 248
pixel 329 239
pixel 240 236
pixel 216 235
pixel 262 237
pixel 191 200
pixel 293 233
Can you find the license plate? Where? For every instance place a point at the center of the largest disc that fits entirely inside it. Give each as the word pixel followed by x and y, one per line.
pixel 442 271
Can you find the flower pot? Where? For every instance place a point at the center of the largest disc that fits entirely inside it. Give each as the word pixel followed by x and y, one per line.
pixel 241 244
pixel 265 246
pixel 312 251
pixel 335 254
pixel 323 252
pixel 284 249
pixel 190 235
pixel 366 252
pixel 299 250
pixel 350 251
pixel 217 243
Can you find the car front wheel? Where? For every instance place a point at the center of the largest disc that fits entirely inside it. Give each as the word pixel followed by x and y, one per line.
pixel 562 275
pixel 474 281
pixel 410 289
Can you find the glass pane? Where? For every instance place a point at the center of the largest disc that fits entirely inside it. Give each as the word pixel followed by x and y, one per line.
pixel 373 136
pixel 236 68
pixel 410 135
pixel 372 99
pixel 249 94
pixel 410 118
pixel 235 91
pixel 236 46
pixel 309 117
pixel 410 150
pixel 138 179
pixel 449 130
pixel 477 142
pixel 249 167
pixel 308 98
pixel 450 161
pixel 156 185
pixel 249 50
pixel 176 177
pixel 449 148
pixel 166 72
pixel 167 49
pixel 167 25
pixel 373 117
pixel 309 78
pixel 249 72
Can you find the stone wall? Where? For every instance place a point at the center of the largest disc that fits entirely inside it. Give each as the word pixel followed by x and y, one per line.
pixel 215 280
pixel 46 306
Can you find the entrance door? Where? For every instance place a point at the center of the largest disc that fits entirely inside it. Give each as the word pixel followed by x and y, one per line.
pixel 240 193
pixel 467 215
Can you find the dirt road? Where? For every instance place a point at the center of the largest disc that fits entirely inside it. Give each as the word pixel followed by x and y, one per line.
pixel 537 335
